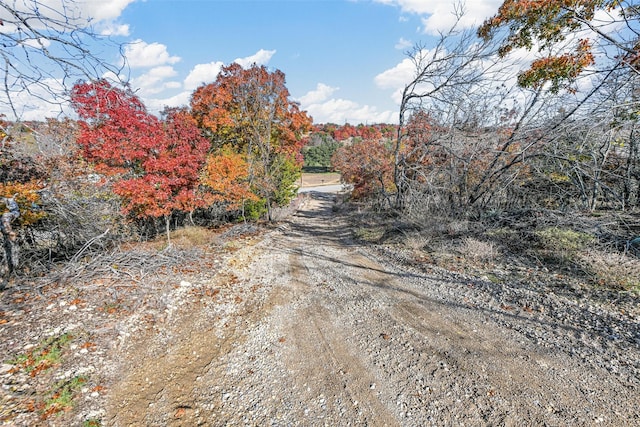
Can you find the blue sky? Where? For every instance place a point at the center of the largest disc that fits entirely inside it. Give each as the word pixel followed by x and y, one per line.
pixel 341 46
pixel 344 59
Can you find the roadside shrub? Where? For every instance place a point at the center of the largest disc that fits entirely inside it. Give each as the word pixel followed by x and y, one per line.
pixel 612 270
pixel 477 250
pixel 560 246
pixel 83 220
pixel 563 239
pixel 369 234
pixel 254 209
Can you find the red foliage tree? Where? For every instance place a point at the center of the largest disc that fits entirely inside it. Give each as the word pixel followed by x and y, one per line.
pixel 346 131
pixel 154 163
pixel 368 166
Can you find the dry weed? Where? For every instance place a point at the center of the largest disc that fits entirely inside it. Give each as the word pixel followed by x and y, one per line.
pixel 613 270
pixel 457 227
pixel 477 250
pixel 190 236
pixel 416 241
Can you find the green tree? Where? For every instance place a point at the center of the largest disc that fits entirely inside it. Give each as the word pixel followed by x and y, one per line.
pixel 319 152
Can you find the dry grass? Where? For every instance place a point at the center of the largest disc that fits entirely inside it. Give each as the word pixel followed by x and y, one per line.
pixel 477 250
pixel 188 237
pixel 369 234
pixel 612 270
pixel 416 241
pixel 191 236
pixel 548 246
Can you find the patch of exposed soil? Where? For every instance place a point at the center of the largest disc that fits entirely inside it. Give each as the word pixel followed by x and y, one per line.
pixel 319 179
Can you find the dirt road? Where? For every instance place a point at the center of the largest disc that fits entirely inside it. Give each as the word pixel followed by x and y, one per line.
pixel 321 331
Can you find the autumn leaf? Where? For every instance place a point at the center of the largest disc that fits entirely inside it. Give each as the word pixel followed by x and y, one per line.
pixel 546 24
pixel 226 176
pixel 367 165
pixel 249 112
pixel 153 164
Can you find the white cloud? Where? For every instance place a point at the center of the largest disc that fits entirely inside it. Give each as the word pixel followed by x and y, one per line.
pixel 42 100
pixel 207 73
pixel 336 110
pixel 396 77
pixel 443 17
pixel 342 110
pixel 608 22
pixel 410 6
pixel 321 93
pixel 441 14
pixel 403 44
pixel 261 57
pixel 100 10
pixel 152 84
pixel 37 43
pixel 202 74
pixel 142 54
pixel 154 81
pixel 155 105
pixel 113 29
pixel 78 13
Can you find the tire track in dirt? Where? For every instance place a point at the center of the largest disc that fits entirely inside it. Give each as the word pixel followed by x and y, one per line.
pixel 163 383
pixel 477 371
pixel 319 357
pixel 159 387
pixel 342 337
pixel 497 376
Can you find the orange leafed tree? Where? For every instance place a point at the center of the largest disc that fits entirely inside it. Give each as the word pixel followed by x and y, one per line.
pixel 547 23
pixel 226 176
pixel 26 195
pixel 20 175
pixel 249 111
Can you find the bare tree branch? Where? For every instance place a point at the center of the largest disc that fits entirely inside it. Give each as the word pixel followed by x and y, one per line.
pixel 45 50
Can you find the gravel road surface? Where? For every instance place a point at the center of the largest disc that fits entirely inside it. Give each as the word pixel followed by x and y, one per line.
pixel 323 331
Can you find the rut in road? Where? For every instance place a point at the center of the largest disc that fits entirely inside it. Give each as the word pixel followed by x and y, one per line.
pixel 339 336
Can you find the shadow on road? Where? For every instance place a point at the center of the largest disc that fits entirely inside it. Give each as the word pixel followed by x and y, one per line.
pixel 317 224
